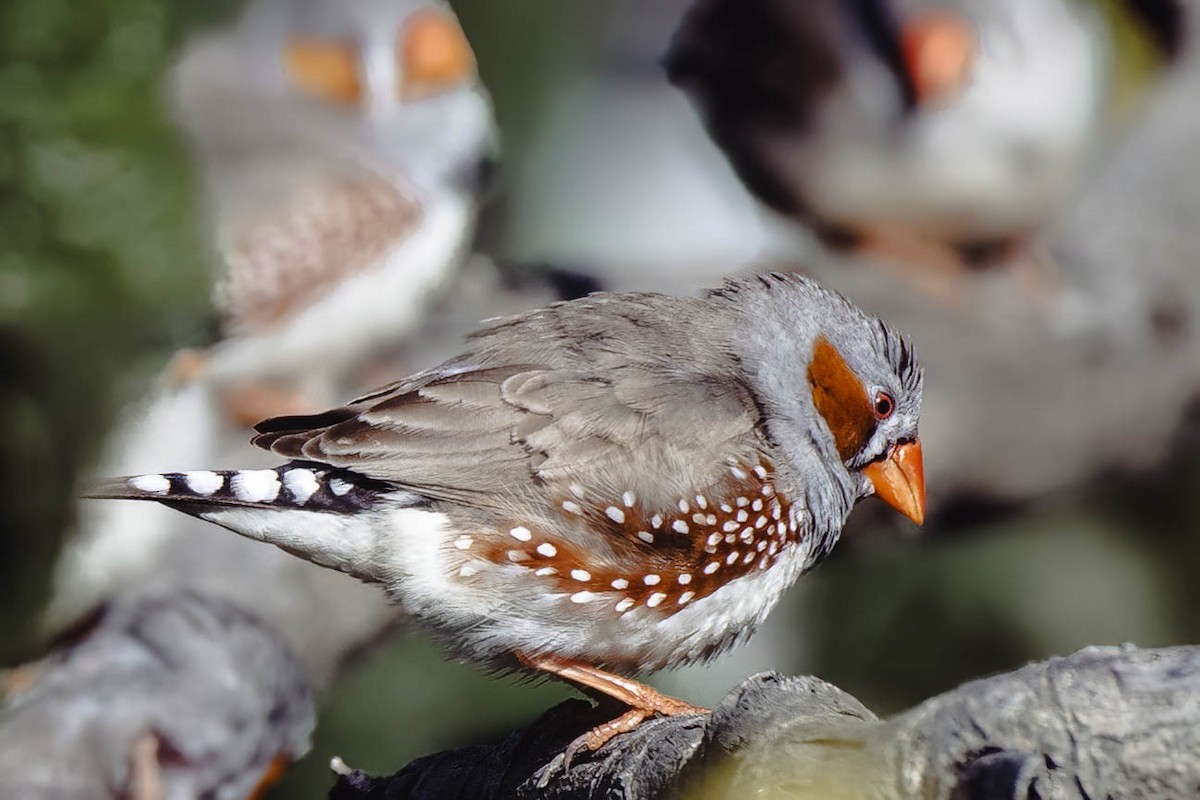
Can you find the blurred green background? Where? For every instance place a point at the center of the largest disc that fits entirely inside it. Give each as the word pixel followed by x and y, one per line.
pixel 104 272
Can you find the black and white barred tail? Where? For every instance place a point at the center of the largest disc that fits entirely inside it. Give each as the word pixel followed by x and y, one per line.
pixel 324 515
pixel 295 485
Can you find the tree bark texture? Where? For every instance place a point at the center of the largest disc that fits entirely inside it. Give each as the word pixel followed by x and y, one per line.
pixel 1102 722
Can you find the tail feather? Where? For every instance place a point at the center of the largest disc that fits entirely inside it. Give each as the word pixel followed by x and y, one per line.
pixel 295 485
pixel 276 506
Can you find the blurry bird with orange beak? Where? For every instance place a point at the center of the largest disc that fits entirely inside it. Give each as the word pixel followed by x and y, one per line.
pixel 342 143
pixel 931 132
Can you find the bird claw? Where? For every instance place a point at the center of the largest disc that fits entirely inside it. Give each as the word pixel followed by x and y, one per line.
pixel 590 742
pixel 559 763
pixel 602 734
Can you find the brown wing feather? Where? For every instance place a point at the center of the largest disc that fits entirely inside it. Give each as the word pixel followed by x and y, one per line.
pixel 594 412
pixel 469 437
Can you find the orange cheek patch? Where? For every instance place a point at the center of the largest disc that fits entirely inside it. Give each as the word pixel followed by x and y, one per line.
pixel 434 54
pixel 328 70
pixel 840 398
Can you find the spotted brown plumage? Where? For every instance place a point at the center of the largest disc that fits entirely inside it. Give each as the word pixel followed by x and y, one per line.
pixel 623 482
pixel 663 559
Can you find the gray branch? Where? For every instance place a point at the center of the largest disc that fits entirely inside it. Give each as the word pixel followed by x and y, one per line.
pixel 1103 722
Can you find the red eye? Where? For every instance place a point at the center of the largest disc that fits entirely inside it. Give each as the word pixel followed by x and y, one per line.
pixel 884 405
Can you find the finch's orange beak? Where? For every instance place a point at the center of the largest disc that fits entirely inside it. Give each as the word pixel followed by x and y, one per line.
pixel 899 480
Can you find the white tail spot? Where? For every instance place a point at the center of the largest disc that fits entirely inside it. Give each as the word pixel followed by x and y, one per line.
pixel 302 484
pixel 656 521
pixel 738 473
pixel 684 507
pixel 517 556
pixel 620 583
pixel 761 522
pixel 151 484
pixel 544 571
pixel 728 509
pixel 651 580
pixel 714 539
pixel 615 514
pixel 742 501
pixel 581 575
pixel 757 505
pixel 464 542
pixel 548 550
pixel 204 482
pixel 762 545
pixel 521 534
pixel 655 599
pixel 732 557
pixel 572 507
pixel 685 579
pixel 582 597
pixel 255 486
pixel 629 498
pixel 646 536
pixel 624 605
pixel 712 567
pixel 760 472
pixel 749 557
pixel 680 526
pixel 768 490
pixel 685 597
pixel 700 519
pixel 702 501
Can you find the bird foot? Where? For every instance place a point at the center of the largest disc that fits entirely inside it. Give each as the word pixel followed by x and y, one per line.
pixel 602 734
pixel 643 701
pixel 928 267
pixel 145 773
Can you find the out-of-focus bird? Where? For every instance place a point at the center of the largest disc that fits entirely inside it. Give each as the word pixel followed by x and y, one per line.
pixel 620 483
pixel 934 130
pixel 168 697
pixel 343 144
